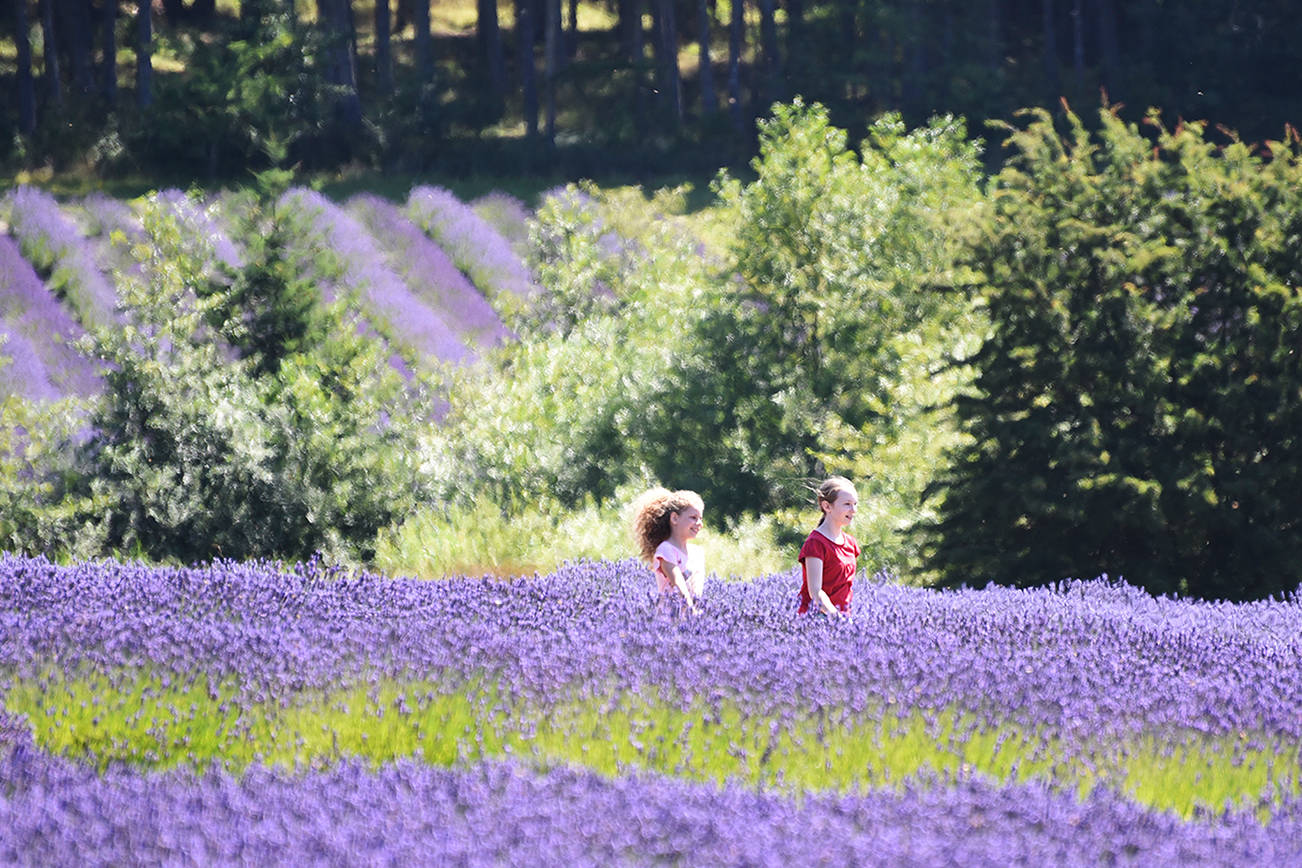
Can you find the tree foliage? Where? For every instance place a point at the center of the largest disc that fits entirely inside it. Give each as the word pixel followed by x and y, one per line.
pixel 1138 403
pixel 839 270
pixel 202 448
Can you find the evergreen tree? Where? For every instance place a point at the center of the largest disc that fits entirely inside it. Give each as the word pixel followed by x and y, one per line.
pixel 1138 395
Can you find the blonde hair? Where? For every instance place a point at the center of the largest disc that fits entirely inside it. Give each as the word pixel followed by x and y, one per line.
pixel 651 514
pixel 830 489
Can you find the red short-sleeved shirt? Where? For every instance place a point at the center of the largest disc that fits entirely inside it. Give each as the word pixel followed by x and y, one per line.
pixel 840 560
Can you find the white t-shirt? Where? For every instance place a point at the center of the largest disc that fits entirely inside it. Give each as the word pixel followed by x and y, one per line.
pixel 690 562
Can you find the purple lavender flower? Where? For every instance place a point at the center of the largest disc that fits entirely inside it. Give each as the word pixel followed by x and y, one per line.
pixel 429 272
pixel 390 304
pixel 56 812
pixel 509 216
pixel 476 247
pixel 103 218
pixel 39 331
pixel 52 241
pixel 202 220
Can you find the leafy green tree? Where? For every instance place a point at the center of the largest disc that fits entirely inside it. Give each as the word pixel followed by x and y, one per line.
pixel 1137 403
pixel 835 300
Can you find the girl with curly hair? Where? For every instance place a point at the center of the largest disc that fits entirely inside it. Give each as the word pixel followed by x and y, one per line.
pixel 664 525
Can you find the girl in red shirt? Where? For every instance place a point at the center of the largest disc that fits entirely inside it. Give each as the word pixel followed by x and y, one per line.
pixel 829 557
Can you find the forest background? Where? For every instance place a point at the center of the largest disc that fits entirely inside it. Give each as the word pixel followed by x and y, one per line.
pixel 1067 354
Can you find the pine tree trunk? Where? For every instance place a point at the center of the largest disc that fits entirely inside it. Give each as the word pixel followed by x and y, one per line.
pixel 995 20
pixel 335 18
pixel 769 48
pixel 1050 50
pixel 383 48
pixel 1108 52
pixel 423 42
pixel 736 40
pixel 26 85
pixel 551 51
pixel 524 35
pixel 572 37
pixel 489 33
pixel 636 59
pixel 667 50
pixel 110 52
pixel 1078 44
pixel 144 56
pixel 50 48
pixel 795 34
pixel 709 100
pixel 78 39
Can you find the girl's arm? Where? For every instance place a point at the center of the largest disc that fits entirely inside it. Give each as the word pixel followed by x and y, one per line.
pixel 679 581
pixel 814 581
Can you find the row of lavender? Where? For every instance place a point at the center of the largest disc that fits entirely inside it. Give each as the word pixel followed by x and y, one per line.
pixel 55 812
pixel 424 273
pixel 1085 660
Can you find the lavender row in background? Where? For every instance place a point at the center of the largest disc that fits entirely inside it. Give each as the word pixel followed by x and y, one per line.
pixel 474 245
pixel 388 299
pixel 55 812
pixel 430 273
pixel 1086 660
pixel 37 330
pixel 53 242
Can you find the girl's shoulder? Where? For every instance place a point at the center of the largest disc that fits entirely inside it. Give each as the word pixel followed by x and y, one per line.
pixel 670 552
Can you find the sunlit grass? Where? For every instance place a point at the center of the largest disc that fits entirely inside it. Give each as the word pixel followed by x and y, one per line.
pixel 148 721
pixel 487 539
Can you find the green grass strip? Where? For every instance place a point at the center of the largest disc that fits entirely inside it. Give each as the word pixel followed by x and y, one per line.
pixel 144 719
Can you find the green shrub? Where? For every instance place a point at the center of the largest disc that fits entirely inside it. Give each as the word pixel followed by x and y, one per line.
pixel 1137 406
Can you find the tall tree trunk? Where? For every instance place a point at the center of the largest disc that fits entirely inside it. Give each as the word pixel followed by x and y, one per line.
pixel 78 39
pixel 424 43
pixel 795 35
pixel 915 67
pixel 50 48
pixel 671 82
pixel 1078 43
pixel 572 35
pixel 489 34
pixel 335 17
pixel 173 11
pixel 551 58
pixel 110 52
pixel 626 9
pixel 636 59
pixel 205 10
pixel 26 85
pixel 709 99
pixel 1108 51
pixel 1050 50
pixel 995 20
pixel 144 56
pixel 524 36
pixel 736 40
pixel 383 48
pixel 772 70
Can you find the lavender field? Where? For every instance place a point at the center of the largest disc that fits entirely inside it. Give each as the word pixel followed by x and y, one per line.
pixel 260 712
pixel 406 266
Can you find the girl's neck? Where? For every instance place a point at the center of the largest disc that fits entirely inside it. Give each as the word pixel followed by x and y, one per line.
pixel 679 543
pixel 831 531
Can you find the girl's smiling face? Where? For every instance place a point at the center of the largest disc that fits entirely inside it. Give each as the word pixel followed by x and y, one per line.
pixel 840 512
pixel 686 523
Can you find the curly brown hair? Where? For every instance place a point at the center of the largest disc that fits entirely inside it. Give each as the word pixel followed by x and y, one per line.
pixel 651 514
